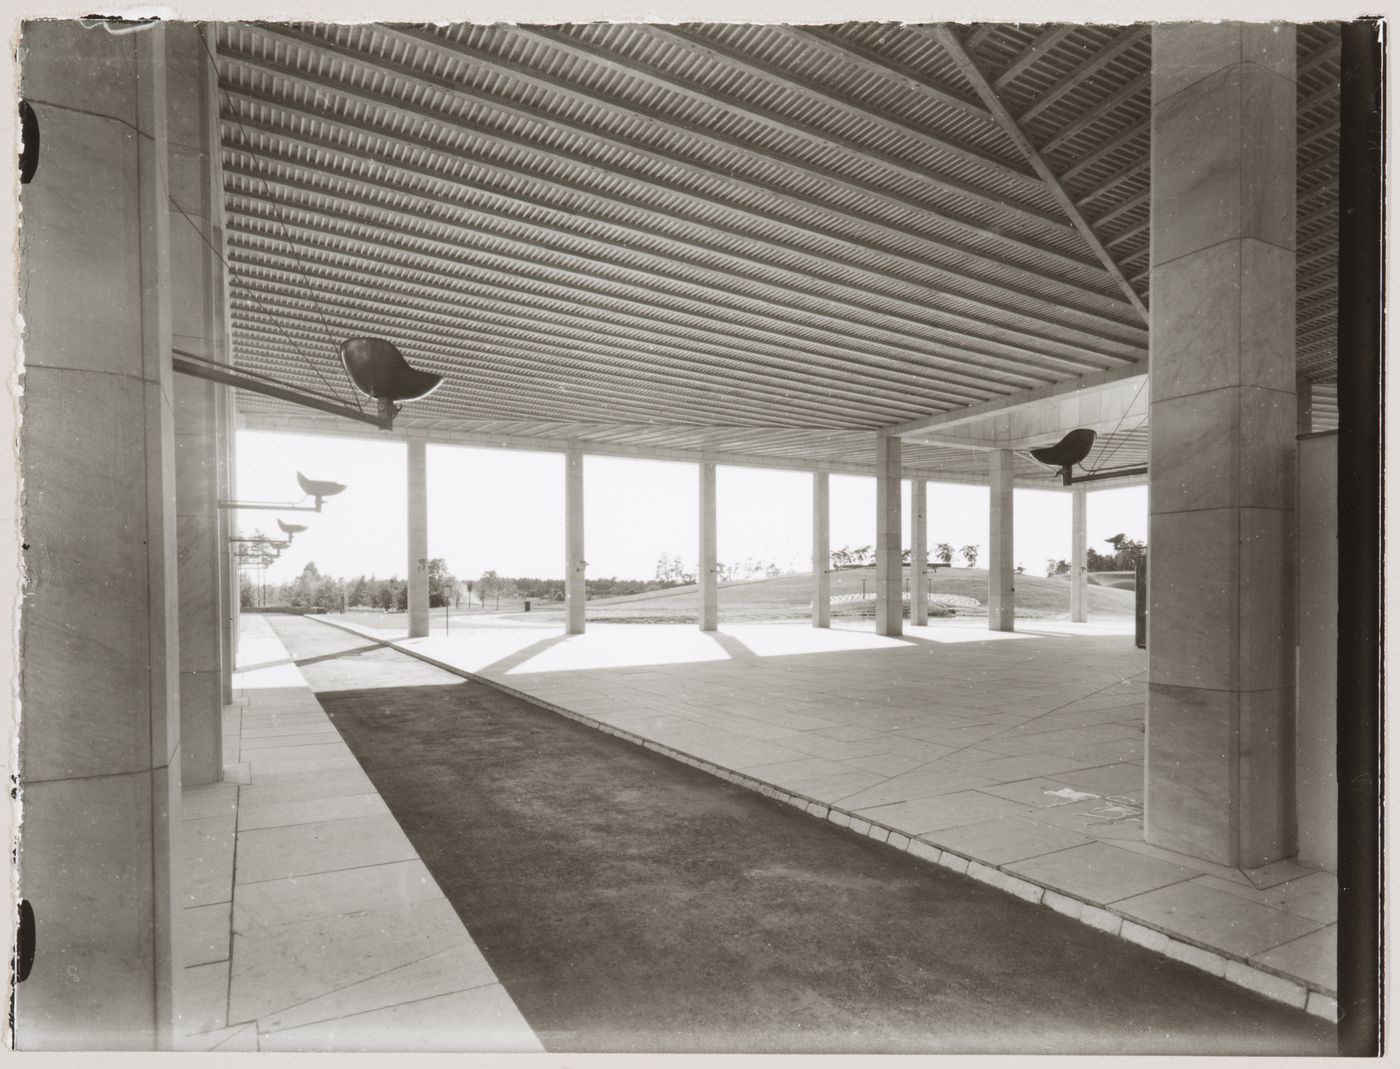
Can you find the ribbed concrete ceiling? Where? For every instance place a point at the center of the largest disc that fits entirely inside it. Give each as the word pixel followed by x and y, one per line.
pixel 772 236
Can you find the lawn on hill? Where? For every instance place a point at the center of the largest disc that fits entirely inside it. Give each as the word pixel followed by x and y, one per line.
pixel 952 592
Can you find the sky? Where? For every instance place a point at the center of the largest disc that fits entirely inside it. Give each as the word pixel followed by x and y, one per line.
pixel 503 510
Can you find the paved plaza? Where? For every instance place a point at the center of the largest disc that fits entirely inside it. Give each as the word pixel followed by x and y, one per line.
pixel 312 923
pixel 1020 751
pixel 1014 755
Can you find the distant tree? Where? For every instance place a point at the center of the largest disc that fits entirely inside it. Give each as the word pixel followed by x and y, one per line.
pixel 907 556
pixel 386 593
pixel 328 593
pixel 358 593
pixel 488 585
pixel 440 582
pixel 840 557
pixel 1020 569
pixel 861 554
pixel 303 589
pixel 245 590
pixel 1055 567
pixel 1124 558
pixel 944 552
pixel 671 569
pixel 969 554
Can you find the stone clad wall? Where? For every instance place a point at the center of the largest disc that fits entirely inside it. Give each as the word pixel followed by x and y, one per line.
pixel 100 725
pixel 1317 651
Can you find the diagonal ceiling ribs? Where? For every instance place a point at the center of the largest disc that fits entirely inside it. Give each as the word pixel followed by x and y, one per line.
pixel 776 238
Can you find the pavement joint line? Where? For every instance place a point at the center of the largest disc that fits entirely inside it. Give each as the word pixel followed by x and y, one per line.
pixel 1262 981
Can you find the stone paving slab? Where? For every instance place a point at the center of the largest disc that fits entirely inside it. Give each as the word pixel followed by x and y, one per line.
pixel 310 922
pixel 1042 726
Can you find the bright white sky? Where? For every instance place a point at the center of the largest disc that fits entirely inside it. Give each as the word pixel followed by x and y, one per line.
pixel 503 510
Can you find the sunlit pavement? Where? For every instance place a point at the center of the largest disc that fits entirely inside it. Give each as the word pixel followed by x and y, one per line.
pixel 309 920
pixel 1022 751
pixel 628 903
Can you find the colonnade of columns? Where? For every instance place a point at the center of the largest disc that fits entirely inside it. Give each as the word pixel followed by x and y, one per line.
pixel 889 583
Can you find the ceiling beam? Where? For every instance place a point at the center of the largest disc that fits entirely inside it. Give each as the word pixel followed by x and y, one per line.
pixel 1330 52
pixel 437 324
pixel 748 396
pixel 950 44
pixel 1114 182
pixel 948 187
pixel 1129 234
pixel 1041 46
pixel 1020 400
pixel 318 86
pixel 1137 129
pixel 666 292
pixel 1139 84
pixel 453 289
pixel 438 432
pixel 524 389
pixel 401 148
pixel 1135 201
pixel 1082 74
pixel 887 383
pixel 882 66
pixel 932 315
pixel 809 88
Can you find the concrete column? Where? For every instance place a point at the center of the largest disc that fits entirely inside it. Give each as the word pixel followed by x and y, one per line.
pixel 708 570
pixel 228 452
pixel 1001 571
pixel 821 549
pixel 99 685
pixel 1302 386
pixel 889 567
pixel 196 303
pixel 417 538
pixel 1220 707
pixel 1079 557
pixel 918 553
pixel 228 484
pixel 574 564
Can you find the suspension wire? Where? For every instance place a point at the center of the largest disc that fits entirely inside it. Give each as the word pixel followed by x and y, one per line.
pixel 1104 459
pixel 246 144
pixel 257 300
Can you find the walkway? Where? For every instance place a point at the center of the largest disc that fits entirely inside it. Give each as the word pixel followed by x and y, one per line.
pixel 1017 757
pixel 628 902
pixel 310 922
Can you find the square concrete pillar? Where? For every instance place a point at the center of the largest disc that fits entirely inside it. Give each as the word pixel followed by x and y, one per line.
pixel 889 554
pixel 99 735
pixel 1079 557
pixel 233 604
pixel 196 302
pixel 1220 719
pixel 918 553
pixel 1302 386
pixel 575 592
pixel 417 538
pixel 228 567
pixel 1001 572
pixel 821 549
pixel 708 576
